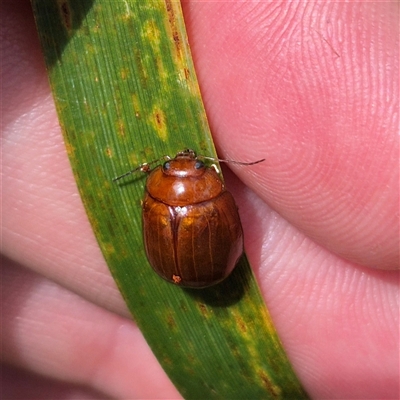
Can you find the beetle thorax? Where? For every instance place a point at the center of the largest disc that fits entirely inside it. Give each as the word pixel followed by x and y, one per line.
pixel 184 181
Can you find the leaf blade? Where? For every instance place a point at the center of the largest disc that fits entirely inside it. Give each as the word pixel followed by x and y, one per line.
pixel 126 92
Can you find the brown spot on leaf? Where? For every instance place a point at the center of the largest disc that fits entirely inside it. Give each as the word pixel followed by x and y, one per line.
pixel 187 73
pixel 66 14
pixel 158 119
pixel 271 388
pixel 173 26
pixel 203 308
pixel 241 325
pixel 159 123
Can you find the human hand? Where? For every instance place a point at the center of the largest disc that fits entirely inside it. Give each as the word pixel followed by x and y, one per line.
pixel 309 87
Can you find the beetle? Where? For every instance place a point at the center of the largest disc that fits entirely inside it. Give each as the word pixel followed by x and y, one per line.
pixel 192 232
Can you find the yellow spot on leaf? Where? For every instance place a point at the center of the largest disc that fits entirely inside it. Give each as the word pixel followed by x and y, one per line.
pixel 151 33
pixel 70 149
pixel 120 127
pixel 124 72
pixel 109 152
pixel 136 105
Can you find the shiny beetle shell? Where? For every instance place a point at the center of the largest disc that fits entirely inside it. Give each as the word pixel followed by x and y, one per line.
pixel 192 231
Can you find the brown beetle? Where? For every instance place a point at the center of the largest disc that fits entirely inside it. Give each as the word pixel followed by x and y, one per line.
pixel 191 226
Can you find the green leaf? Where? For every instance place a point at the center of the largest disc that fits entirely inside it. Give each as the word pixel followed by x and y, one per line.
pixel 126 93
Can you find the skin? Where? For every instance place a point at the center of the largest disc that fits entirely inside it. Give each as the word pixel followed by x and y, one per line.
pixel 311 87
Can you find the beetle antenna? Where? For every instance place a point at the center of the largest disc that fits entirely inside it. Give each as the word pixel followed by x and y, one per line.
pixel 145 167
pixel 140 167
pixel 232 161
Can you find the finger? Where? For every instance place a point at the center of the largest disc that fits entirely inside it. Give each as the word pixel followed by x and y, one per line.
pixel 20 384
pixel 280 289
pixel 44 224
pixel 57 334
pixel 313 88
pixel 43 221
pixel 338 322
